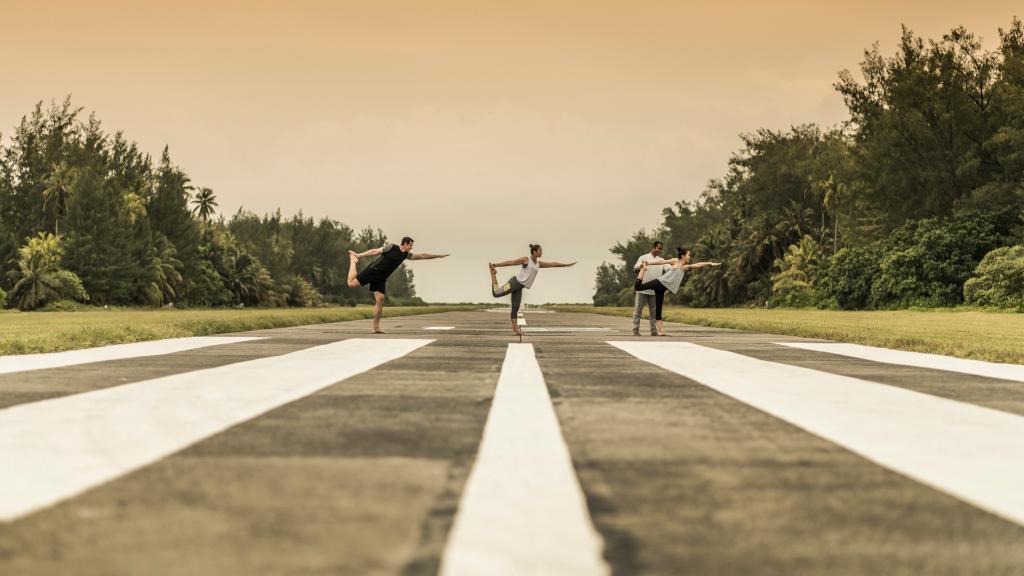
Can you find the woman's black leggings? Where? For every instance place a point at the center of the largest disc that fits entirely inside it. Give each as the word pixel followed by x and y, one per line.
pixel 514 288
pixel 659 293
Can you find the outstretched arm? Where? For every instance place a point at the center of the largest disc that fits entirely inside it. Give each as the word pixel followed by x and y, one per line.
pixel 513 262
pixel 370 252
pixel 662 262
pixel 701 265
pixel 426 256
pixel 544 264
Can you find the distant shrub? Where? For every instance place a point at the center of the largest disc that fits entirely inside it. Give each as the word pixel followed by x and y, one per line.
pixel 998 280
pixel 845 282
pixel 301 292
pixel 65 306
pixel 405 301
pixel 3 298
pixel 926 262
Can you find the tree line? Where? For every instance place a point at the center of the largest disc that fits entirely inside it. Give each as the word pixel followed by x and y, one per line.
pixel 86 216
pixel 917 200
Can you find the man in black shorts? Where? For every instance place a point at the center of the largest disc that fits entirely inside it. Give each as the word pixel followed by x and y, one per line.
pixel 376 274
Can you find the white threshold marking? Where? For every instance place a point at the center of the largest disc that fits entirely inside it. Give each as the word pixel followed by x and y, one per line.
pixel 916 359
pixel 25 362
pixel 521 321
pixel 967 451
pixel 440 328
pixel 522 510
pixel 55 449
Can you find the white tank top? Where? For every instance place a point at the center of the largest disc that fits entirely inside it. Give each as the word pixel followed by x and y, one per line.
pixel 528 273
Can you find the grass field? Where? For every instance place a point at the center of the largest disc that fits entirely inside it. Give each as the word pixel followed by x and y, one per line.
pixel 32 332
pixel 994 336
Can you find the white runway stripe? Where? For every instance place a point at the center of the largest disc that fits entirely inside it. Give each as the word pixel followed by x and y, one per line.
pixel 967 451
pixel 54 449
pixel 522 511
pixel 25 362
pixel 916 359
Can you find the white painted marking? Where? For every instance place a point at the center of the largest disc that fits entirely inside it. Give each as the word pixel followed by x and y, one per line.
pixel 964 450
pixel 522 511
pixel 916 359
pixel 55 449
pixel 563 329
pixel 440 328
pixel 531 311
pixel 25 362
pixel 521 321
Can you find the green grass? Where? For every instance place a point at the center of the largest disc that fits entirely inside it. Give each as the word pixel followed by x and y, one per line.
pixel 966 333
pixel 32 332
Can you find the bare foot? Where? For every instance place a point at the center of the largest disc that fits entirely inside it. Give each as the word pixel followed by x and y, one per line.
pixel 379 331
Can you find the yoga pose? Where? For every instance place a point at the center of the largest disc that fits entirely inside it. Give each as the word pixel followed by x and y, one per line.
pixel 647 297
pixel 669 281
pixel 376 274
pixel 523 279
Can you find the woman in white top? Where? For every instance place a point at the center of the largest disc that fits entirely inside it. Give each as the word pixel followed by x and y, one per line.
pixel 530 265
pixel 669 281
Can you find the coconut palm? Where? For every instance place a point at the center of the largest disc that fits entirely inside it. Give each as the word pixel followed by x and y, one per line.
pixel 798 269
pixel 166 273
pixel 39 278
pixel 59 187
pixel 204 204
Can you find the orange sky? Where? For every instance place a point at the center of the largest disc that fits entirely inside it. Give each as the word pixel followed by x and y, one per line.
pixel 476 127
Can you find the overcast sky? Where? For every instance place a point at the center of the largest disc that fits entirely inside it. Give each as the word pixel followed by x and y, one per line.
pixel 476 127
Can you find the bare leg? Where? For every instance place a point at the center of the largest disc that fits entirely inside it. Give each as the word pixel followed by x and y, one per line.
pixel 661 328
pixel 378 310
pixel 352 259
pixel 494 277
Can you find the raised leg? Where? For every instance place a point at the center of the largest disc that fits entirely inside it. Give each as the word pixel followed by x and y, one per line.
pixel 352 270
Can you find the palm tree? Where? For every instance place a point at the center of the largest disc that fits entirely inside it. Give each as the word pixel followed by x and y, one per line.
pixel 204 203
pixel 59 188
pixel 834 190
pixel 39 277
pixel 798 269
pixel 166 269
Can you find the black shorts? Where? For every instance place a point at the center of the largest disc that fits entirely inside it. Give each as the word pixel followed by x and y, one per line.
pixel 374 281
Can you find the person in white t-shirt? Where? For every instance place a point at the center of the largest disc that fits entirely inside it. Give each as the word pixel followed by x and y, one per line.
pixel 669 281
pixel 647 297
pixel 529 266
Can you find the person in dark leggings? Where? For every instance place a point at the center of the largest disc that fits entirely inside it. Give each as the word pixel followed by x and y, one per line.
pixel 530 266
pixel 669 281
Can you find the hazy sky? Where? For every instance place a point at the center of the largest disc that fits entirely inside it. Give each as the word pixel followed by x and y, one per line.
pixel 476 127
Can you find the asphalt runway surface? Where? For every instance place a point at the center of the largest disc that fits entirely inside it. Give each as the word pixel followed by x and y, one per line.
pixel 448 446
